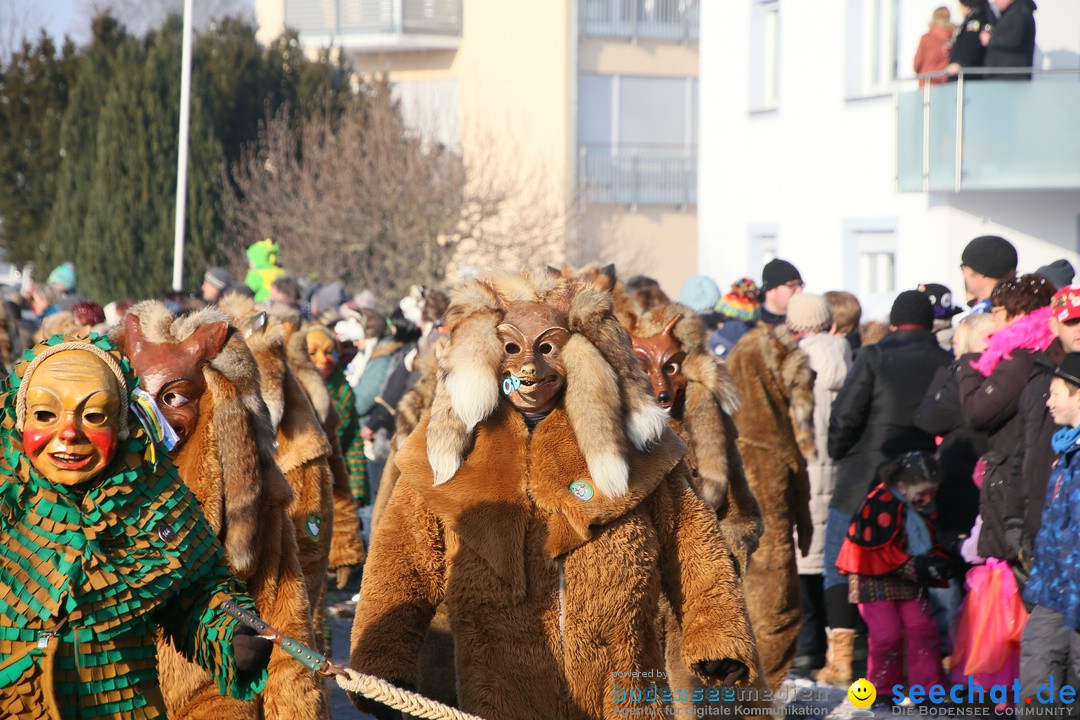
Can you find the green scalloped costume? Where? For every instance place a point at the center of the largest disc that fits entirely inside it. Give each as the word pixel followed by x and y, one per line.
pixel 114 562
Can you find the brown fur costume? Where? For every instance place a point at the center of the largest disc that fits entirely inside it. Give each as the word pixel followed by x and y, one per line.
pixel 303 450
pixel 228 463
pixel 346 542
pixel 549 595
pixel 776 437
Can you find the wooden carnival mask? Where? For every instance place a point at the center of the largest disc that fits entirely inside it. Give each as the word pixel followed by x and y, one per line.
pixel 73 410
pixel 322 348
pixel 532 372
pixel 172 372
pixel 663 357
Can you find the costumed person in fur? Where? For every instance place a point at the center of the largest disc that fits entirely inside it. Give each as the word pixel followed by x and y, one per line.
pixel 302 452
pixel 346 542
pixel 103 546
pixel 325 351
pixel 436 658
pixel 547 502
pixel 698 395
pixel 204 378
pixel 776 439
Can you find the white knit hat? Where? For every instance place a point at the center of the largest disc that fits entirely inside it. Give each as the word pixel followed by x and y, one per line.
pixel 808 313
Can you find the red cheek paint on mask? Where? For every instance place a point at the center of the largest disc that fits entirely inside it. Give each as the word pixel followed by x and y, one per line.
pixel 105 440
pixel 34 439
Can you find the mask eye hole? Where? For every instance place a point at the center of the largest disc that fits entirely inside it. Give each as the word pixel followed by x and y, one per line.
pixel 174 399
pixel 95 418
pixel 512 348
pixel 671 368
pixel 546 348
pixel 44 416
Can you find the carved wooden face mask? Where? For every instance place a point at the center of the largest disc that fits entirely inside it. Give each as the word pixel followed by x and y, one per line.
pixel 172 372
pixel 663 359
pixel 322 349
pixel 72 425
pixel 532 372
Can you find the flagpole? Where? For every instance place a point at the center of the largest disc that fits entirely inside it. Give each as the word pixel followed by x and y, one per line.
pixel 182 152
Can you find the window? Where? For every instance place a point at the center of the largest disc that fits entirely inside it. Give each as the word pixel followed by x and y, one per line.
pixel 872 247
pixel 430 108
pixel 762 248
pixel 765 58
pixel 871 46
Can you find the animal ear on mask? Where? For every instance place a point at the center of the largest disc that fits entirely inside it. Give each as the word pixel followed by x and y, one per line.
pixel 670 327
pixel 135 340
pixel 206 341
pixel 256 325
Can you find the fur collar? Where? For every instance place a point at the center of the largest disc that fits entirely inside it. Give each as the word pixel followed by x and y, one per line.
pixel 509 476
pixel 607 398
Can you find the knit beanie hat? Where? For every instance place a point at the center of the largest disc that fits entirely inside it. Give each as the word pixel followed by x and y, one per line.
pixel 910 307
pixel 990 255
pixel 777 272
pixel 219 277
pixel 1060 272
pixel 808 313
pixel 699 293
pixel 742 302
pixel 63 276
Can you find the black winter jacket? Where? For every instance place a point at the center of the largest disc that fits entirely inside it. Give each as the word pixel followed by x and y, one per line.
pixel 873 415
pixel 961 447
pixel 1012 44
pixel 990 405
pixel 967 49
pixel 1026 491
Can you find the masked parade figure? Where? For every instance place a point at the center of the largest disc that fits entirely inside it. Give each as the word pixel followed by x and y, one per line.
pixel 103 546
pixel 527 501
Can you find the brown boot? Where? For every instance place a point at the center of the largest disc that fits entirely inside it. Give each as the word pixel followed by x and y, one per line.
pixel 837 670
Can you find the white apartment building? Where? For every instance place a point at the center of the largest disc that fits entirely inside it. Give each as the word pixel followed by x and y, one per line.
pixel 811 147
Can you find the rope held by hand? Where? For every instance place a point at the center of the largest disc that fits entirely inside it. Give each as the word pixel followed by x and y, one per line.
pixel 350 680
pixel 388 694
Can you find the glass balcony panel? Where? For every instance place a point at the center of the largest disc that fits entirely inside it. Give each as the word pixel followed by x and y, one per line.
pixel 1016 134
pixel 358 17
pixel 1022 134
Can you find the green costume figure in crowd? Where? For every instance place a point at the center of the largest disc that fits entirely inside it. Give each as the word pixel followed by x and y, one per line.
pixel 262 257
pixel 103 545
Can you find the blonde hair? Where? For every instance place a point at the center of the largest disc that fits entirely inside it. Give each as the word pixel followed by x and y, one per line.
pixel 846 310
pixel 941 17
pixel 968 331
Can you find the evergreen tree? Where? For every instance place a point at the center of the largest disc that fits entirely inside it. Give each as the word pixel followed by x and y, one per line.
pixel 34 89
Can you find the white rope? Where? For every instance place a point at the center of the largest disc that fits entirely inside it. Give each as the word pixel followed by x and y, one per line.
pixel 404 700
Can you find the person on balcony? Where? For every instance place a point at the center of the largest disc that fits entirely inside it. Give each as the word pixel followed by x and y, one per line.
pixel 1010 43
pixel 932 54
pixel 967 50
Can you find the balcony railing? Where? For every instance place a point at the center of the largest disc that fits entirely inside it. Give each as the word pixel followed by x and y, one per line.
pixel 365 21
pixel 638 175
pixel 633 19
pixel 1011 134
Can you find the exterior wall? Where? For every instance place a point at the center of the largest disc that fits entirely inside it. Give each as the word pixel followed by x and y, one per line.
pixel 821 165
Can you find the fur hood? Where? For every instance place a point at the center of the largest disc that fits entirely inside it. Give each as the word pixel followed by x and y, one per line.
pixel 232 382
pixel 710 394
pixel 310 379
pixel 607 400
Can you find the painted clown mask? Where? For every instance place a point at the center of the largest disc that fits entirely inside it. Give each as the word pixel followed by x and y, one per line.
pixel 322 349
pixel 73 415
pixel 662 357
pixel 172 373
pixel 532 373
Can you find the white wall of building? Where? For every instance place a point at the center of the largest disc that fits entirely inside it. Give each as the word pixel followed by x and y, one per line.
pixel 815 173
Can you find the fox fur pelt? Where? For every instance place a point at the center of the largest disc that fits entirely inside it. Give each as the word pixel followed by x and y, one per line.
pixel 708 429
pixel 303 450
pixel 608 397
pixel 228 462
pixel 346 542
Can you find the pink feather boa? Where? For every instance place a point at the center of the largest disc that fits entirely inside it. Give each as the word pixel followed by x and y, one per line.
pixel 1031 332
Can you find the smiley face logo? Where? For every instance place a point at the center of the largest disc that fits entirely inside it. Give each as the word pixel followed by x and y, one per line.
pixel 862 693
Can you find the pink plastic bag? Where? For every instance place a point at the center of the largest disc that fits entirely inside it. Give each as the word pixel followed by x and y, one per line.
pixel 990 622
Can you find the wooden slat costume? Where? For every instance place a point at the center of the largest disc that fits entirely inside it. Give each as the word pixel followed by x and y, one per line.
pixel 228 462
pixel 89 572
pixel 551 546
